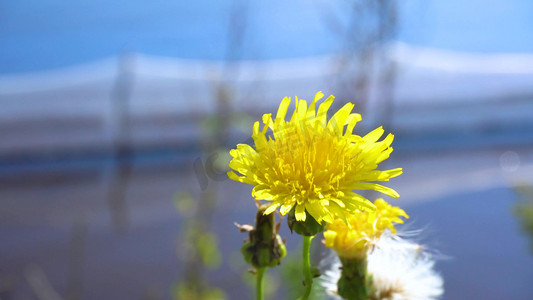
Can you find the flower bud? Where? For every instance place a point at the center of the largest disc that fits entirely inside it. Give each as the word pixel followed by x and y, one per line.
pixel 265 247
pixel 309 227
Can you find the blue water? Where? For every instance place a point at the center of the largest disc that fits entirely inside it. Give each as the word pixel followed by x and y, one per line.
pixel 46 34
pixel 488 254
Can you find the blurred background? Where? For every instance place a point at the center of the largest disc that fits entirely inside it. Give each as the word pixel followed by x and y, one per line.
pixel 116 119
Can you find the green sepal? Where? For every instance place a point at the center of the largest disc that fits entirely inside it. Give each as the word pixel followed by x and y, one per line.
pixel 309 227
pixel 265 247
pixel 355 283
pixel 315 272
pixel 246 253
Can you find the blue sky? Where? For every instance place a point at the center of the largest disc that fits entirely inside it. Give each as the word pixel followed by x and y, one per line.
pixel 42 35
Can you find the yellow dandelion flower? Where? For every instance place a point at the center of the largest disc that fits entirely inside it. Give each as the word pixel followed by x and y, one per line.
pixel 312 164
pixel 352 239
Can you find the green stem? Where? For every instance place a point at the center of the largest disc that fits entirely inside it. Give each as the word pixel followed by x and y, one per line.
pixel 259 287
pixel 307 266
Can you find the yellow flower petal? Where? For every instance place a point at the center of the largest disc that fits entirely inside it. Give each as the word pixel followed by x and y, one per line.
pixel 353 234
pixel 300 213
pixel 283 107
pixel 311 163
pixel 376 187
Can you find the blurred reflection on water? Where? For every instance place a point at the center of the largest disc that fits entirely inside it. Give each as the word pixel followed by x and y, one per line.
pixel 112 173
pixel 61 223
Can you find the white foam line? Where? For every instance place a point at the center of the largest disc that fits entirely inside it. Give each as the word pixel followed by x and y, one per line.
pixel 273 70
pixel 104 69
pixel 172 68
pixel 269 70
pixel 462 62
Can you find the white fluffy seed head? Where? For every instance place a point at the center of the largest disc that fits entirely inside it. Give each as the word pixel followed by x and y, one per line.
pixel 400 269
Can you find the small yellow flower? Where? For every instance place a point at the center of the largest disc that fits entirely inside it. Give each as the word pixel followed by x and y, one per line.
pixel 363 229
pixel 312 164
